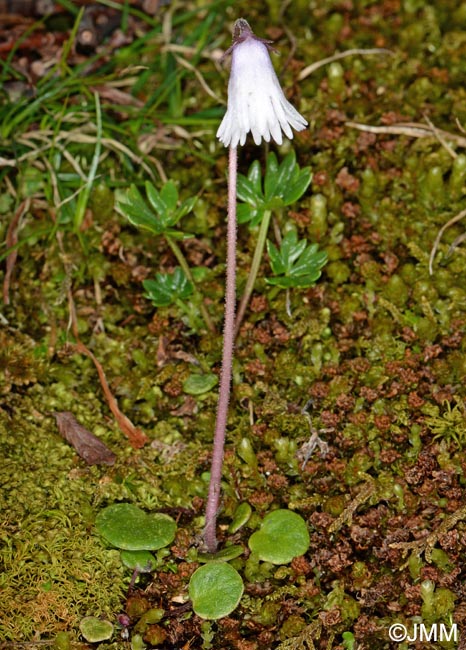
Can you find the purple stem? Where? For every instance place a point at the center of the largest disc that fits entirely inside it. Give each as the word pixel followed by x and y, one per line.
pixel 210 538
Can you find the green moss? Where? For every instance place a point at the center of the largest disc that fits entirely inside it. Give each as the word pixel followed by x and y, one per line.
pixel 55 572
pixel 292 626
pixel 448 425
pixel 437 602
pixel 348 606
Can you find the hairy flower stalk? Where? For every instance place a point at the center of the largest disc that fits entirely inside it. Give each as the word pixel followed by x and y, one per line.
pixel 257 105
pixel 227 362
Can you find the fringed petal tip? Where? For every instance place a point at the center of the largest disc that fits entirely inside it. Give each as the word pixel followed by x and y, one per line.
pixel 230 132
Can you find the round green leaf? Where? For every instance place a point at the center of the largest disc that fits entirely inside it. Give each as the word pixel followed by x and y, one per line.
pixel 198 384
pixel 128 527
pixel 283 535
pixel 215 590
pixel 143 561
pixel 94 629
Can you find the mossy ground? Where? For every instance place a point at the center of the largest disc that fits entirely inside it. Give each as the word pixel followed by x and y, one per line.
pixel 378 346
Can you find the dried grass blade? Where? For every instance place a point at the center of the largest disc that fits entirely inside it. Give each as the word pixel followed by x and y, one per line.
pixel 12 240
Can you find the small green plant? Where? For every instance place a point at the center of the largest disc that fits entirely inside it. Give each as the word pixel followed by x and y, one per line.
pixel 216 588
pixel 283 185
pixel 160 215
pixel 136 533
pixel 296 263
pixel 197 384
pixel 437 602
pixel 175 288
pixel 163 212
pixel 450 425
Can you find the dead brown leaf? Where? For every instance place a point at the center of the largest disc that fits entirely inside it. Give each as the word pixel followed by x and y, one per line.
pixel 87 445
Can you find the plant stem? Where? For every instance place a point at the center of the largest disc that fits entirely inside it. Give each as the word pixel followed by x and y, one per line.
pixel 256 260
pixel 210 538
pixel 177 252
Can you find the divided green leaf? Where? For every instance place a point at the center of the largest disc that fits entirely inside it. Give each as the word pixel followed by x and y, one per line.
pixel 295 264
pixel 168 287
pixel 138 213
pixel 284 184
pixel 161 212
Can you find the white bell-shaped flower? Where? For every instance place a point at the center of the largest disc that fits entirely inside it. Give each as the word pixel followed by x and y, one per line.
pixel 256 102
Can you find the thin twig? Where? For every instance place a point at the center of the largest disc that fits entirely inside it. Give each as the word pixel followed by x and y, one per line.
pixel 449 223
pixel 459 240
pixel 437 133
pixel 365 493
pixel 83 198
pixel 426 544
pixel 341 55
pixel 78 136
pixel 411 129
pixel 200 78
pixel 293 44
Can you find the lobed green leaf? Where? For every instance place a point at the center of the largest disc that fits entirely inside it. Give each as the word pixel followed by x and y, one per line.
pixel 295 189
pixel 295 264
pixel 137 212
pixel 168 287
